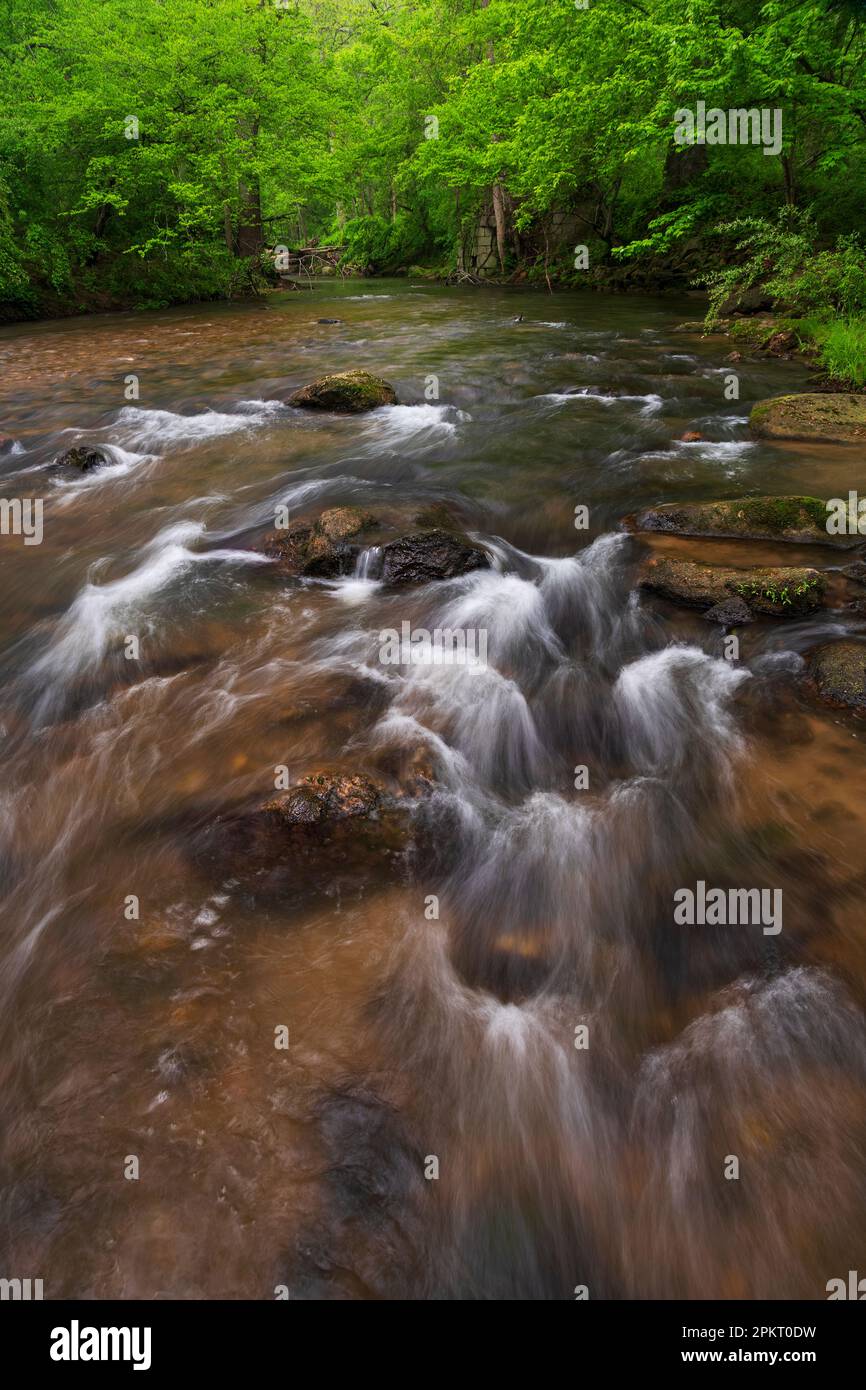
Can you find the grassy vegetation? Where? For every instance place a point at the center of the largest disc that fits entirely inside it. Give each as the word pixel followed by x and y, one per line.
pixel 839 346
pixel 818 294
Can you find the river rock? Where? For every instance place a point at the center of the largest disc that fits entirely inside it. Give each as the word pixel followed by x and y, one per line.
pixel 82 458
pixel 780 592
pixel 320 549
pixel 347 392
pixel 799 519
pixel 325 799
pixel 838 670
pixel 430 555
pixel 329 826
pixel 828 418
pixel 857 571
pixel 753 300
pixel 781 344
pixel 732 612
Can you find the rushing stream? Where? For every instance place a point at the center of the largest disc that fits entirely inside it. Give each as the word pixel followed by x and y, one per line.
pixel 414 1037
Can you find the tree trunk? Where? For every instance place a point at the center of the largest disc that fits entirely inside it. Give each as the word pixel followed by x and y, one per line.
pixel 498 192
pixel 790 180
pixel 250 238
pixel 499 216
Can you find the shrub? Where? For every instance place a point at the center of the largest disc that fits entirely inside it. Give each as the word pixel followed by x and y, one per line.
pixel 781 256
pixel 376 247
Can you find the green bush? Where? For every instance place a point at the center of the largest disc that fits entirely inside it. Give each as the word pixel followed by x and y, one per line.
pixel 376 247
pixel 781 256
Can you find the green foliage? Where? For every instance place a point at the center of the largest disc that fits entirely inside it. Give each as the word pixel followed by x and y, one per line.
pixel 375 246
pixel 839 346
pixel 781 257
pixel 781 594
pixel 385 126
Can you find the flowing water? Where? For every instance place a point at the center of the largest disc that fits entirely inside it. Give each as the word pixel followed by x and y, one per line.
pixel 415 1037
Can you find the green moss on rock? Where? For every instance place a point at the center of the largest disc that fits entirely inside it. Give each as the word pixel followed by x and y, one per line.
pixel 799 519
pixel 838 670
pixel 829 418
pixel 321 549
pixel 346 392
pixel 779 592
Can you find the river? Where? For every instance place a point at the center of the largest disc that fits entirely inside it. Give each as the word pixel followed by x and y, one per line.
pixel 539 1090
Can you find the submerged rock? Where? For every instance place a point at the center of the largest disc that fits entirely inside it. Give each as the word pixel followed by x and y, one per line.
pixel 348 392
pixel 732 612
pixel 326 798
pixel 857 571
pixel 829 418
pixel 780 592
pixel 691 437
pixel 430 555
pixel 84 459
pixel 838 671
pixel 320 549
pixel 330 826
pixel 799 519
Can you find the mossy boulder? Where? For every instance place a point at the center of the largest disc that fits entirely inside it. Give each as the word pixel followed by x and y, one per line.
pixel 329 547
pixel 754 299
pixel 838 672
pixel 321 549
pixel 777 592
pixel 751 332
pixel 347 392
pixel 798 519
pixel 828 418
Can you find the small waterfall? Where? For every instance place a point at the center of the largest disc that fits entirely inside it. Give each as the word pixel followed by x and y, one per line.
pixel 369 563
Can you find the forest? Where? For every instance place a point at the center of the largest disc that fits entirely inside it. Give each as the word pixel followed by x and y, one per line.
pixel 157 152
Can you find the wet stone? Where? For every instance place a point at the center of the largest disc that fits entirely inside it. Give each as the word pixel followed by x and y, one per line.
pixel 838 671
pixel 85 460
pixel 348 393
pixel 733 612
pixel 431 555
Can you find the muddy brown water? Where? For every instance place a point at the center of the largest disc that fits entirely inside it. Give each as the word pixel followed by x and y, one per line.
pixel 414 1038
